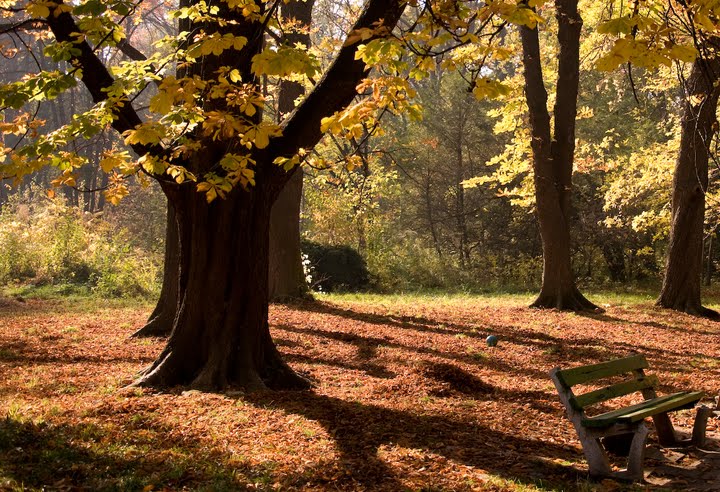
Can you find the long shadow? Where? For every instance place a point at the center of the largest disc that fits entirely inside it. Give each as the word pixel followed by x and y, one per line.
pixel 581 349
pixel 369 368
pixel 367 348
pixel 360 430
pixel 417 323
pixel 68 457
pixel 649 324
pixel 574 351
pixel 447 380
pixel 41 359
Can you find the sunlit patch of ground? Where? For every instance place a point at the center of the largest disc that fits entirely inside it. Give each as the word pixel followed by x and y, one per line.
pixel 408 396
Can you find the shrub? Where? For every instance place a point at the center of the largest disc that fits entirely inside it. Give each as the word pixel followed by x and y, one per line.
pixel 336 268
pixel 48 242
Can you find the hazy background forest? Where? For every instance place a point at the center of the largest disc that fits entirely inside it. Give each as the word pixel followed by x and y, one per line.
pixel 444 202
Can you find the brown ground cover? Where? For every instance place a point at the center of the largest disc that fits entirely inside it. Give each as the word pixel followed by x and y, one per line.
pixel 407 397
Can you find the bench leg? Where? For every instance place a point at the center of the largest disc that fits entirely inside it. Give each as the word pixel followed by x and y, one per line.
pixel 665 430
pixel 636 457
pixel 595 456
pixel 699 428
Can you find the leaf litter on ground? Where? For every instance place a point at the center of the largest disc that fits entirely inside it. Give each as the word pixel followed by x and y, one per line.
pixel 407 396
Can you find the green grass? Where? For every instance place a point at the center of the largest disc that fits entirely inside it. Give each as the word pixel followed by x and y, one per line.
pixel 76 297
pixel 617 295
pixel 614 295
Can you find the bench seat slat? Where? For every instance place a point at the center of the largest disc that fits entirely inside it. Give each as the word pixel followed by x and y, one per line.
pixel 584 374
pixel 648 408
pixel 579 402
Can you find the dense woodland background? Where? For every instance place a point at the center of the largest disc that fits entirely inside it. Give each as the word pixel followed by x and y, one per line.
pixel 441 203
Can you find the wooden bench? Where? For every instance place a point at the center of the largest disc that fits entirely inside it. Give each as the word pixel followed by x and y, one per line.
pixel 625 426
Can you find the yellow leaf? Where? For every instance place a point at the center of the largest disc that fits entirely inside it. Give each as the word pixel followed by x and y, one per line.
pixel 486 88
pixel 162 102
pixel 686 54
pixel 145 134
pixel 113 159
pixel 67 178
pixel 623 25
pixel 38 9
pixel 262 139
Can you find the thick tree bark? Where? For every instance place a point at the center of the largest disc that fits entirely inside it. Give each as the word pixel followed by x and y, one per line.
pixel 160 322
pixel 221 336
pixel 683 270
pixel 287 278
pixel 220 333
pixel 553 158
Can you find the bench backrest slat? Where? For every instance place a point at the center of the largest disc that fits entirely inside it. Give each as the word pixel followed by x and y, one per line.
pixel 580 402
pixel 585 374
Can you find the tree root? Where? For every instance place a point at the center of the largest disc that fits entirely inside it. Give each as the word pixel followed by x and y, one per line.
pixel 572 301
pixel 159 326
pixel 691 308
pixel 213 377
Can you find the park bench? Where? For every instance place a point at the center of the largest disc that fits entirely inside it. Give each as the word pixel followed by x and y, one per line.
pixel 623 428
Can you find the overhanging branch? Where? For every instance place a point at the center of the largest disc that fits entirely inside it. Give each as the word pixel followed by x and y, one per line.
pixel 301 129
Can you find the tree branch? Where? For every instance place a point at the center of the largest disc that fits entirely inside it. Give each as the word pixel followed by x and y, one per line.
pixel 97 78
pixel 27 25
pixel 336 90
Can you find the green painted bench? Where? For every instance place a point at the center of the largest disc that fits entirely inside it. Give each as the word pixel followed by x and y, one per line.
pixel 625 426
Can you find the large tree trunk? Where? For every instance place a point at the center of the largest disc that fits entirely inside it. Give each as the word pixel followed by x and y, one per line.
pixel 287 278
pixel 553 158
pixel 212 346
pixel 683 271
pixel 161 320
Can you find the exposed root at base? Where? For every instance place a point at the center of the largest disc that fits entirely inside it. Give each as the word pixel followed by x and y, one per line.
pixel 277 376
pixel 573 302
pixel 693 309
pixel 156 327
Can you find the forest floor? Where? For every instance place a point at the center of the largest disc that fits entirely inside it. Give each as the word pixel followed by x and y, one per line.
pixel 407 396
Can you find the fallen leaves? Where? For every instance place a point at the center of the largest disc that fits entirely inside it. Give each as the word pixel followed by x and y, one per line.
pixel 408 397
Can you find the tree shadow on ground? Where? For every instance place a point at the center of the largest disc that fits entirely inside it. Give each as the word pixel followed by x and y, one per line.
pixel 451 379
pixel 367 350
pixel 88 457
pixel 417 323
pixel 364 434
pixel 650 324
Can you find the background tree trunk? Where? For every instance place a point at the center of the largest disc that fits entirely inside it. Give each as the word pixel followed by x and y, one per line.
pixel 161 320
pixel 553 158
pixel 286 275
pixel 683 270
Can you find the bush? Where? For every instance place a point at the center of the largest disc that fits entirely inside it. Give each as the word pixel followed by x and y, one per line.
pixel 48 242
pixel 336 268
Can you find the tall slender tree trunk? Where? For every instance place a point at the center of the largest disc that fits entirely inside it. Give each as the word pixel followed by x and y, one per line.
pixel 161 320
pixel 460 174
pixel 287 278
pixel 683 270
pixel 553 157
